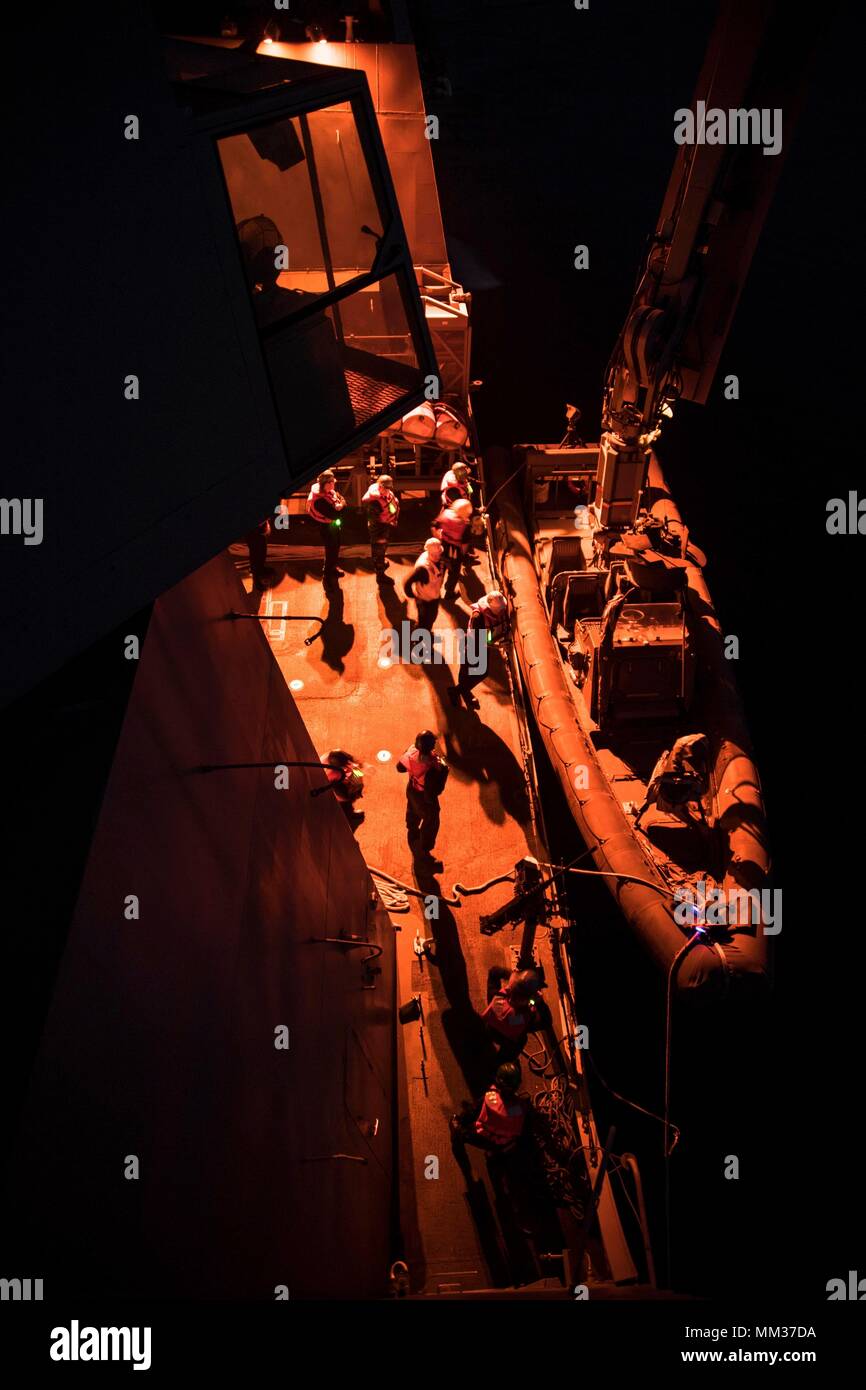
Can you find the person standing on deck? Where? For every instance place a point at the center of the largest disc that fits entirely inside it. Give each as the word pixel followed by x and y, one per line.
pixel 324 505
pixel 456 486
pixel 456 483
pixel 383 512
pixel 452 528
pixel 424 584
pixel 427 774
pixel 257 542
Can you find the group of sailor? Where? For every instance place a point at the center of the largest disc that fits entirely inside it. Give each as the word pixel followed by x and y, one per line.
pixel 498 1121
pixel 436 572
pixel 502 1117
pixel 452 527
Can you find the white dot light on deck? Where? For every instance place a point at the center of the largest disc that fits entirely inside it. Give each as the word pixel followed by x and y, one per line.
pixel 384 662
pixel 296 685
pixel 383 755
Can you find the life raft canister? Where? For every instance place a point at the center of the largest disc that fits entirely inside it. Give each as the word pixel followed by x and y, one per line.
pixel 420 424
pixel 451 431
pixel 499 1119
pixel 433 588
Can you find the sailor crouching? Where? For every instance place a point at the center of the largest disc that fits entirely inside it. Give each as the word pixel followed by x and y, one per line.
pixel 498 1121
pixel 515 1010
pixel 489 625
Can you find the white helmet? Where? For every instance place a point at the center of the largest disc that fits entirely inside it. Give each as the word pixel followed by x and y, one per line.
pixel 433 543
pixel 462 508
pixel 497 602
pixel 385 480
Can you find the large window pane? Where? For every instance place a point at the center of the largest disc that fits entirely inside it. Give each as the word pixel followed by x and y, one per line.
pixel 333 373
pixel 347 193
pixel 301 184
pixel 268 181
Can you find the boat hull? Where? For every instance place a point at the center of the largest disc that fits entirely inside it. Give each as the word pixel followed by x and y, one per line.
pixel 703 965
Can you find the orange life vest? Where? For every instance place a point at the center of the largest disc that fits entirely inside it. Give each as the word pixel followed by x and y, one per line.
pixel 386 503
pixel 347 782
pixel 433 588
pixel 334 497
pixel 500 1120
pixel 417 766
pixel 501 1015
pixel 497 624
pixel 449 481
pixel 450 529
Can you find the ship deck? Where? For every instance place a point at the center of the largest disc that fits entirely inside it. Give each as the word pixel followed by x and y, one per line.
pixel 458 1233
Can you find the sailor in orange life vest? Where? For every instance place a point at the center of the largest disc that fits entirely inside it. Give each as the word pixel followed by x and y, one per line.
pixel 489 624
pixel 498 1122
pixel 452 528
pixel 424 584
pixel 324 505
pixel 514 1011
pixel 383 512
pixel 346 781
pixel 457 485
pixel 427 774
